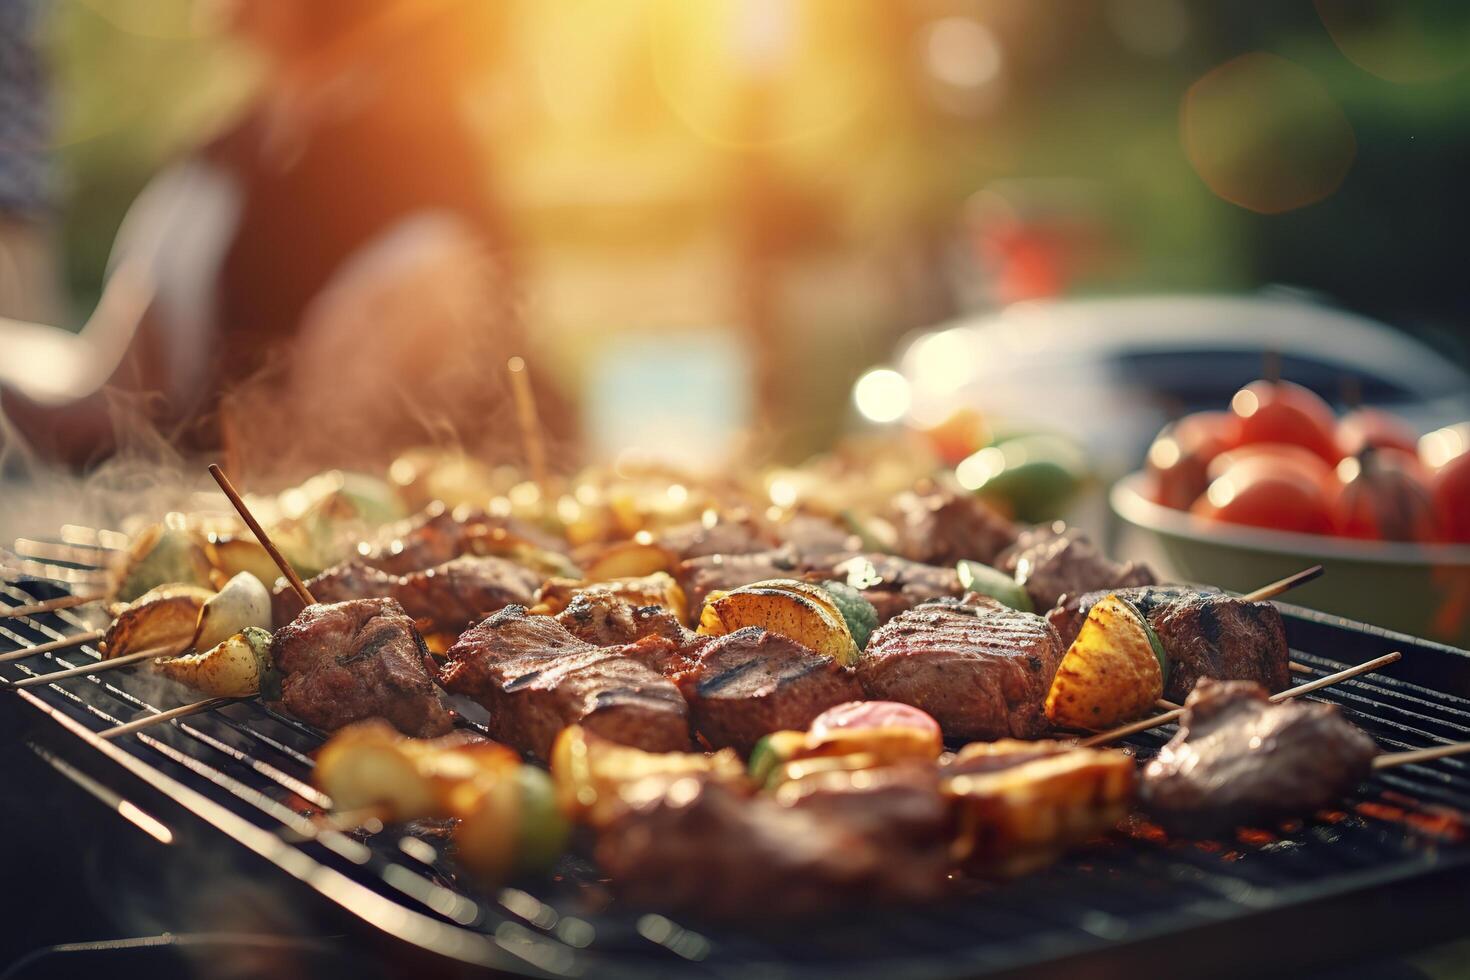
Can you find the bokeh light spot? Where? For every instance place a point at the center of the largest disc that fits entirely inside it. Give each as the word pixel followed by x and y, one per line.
pixel 1263 133
pixel 1400 41
pixel 881 395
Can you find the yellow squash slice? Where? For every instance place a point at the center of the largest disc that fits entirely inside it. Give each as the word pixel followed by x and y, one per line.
pixel 1111 674
pixel 232 668
pixel 805 612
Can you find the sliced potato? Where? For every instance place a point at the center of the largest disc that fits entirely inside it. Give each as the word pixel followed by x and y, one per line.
pixel 1110 674
pixel 232 668
pixel 243 602
pixel 628 559
pixel 589 772
pixel 805 612
pixel 163 618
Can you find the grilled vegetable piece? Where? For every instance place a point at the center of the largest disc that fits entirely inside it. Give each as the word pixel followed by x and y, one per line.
pixel 804 612
pixel 230 555
pixel 509 825
pixel 656 589
pixel 855 735
pixel 369 764
pixel 1019 817
pixel 232 668
pixel 775 749
pixel 243 602
pixel 981 578
pixel 160 555
pixel 857 612
pixel 165 617
pixel 1111 673
pixel 628 559
pixel 590 772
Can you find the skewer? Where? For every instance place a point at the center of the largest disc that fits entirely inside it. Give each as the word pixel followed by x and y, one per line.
pixel 169 715
pixel 49 605
pixel 95 668
pixel 1144 724
pixel 533 441
pixel 91 636
pixel 1421 755
pixel 260 535
pixel 1283 585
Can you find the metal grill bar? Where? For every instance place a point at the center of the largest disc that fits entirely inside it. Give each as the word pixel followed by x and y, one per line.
pixel 255 765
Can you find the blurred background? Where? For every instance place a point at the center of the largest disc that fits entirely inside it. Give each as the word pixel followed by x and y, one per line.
pixel 786 188
pixel 310 234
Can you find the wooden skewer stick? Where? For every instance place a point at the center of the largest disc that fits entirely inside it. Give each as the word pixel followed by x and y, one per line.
pixel 1144 724
pixel 1283 585
pixel 163 716
pixel 77 639
pixel 260 535
pixel 1421 755
pixel 94 668
pixel 50 605
pixel 533 441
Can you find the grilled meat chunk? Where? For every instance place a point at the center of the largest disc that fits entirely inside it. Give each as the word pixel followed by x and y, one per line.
pixel 348 661
pixel 940 527
pixel 1052 561
pixel 748 683
pixel 1238 759
pixel 1204 634
pixel 900 584
pixel 707 573
pixel 606 619
pixel 536 678
pixel 439 534
pixel 444 599
pixel 979 667
pixel 698 845
pixel 812 535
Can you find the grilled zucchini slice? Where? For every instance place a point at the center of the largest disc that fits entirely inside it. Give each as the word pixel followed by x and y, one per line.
pixel 805 612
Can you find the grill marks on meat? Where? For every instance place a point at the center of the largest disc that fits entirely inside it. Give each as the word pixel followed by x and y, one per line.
pixel 941 527
pixel 348 661
pixel 980 668
pixel 536 678
pixel 1050 562
pixel 605 619
pixel 1204 634
pixel 444 599
pixel 752 682
pixel 1238 759
pixel 701 846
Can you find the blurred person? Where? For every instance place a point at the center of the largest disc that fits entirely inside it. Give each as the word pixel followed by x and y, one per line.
pixel 27 260
pixel 327 280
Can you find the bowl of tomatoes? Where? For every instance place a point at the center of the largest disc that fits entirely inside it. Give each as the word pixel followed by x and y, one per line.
pixel 1278 481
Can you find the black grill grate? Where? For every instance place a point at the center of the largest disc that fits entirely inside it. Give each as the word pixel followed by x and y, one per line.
pixel 246 771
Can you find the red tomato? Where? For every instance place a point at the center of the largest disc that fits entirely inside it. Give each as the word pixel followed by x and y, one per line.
pixel 1383 494
pixel 873 714
pixel 1450 488
pixel 1284 412
pixel 1179 456
pixel 1296 459
pixel 1365 427
pixel 1260 492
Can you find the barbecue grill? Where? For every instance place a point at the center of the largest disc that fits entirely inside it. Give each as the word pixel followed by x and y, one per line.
pixel 1390 869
